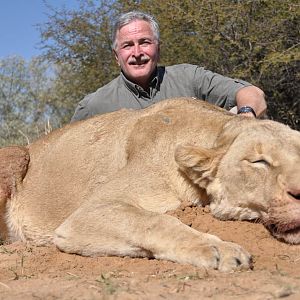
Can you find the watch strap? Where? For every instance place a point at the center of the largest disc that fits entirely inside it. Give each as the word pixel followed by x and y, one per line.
pixel 246 109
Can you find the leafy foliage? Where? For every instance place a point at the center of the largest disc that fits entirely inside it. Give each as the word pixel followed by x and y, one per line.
pixel 79 43
pixel 23 92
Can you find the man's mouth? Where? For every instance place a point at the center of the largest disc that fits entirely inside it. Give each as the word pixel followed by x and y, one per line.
pixel 139 64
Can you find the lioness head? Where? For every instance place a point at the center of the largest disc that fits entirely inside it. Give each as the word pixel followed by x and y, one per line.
pixel 252 173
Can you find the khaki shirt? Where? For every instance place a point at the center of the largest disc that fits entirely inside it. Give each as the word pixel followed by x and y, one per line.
pixel 182 80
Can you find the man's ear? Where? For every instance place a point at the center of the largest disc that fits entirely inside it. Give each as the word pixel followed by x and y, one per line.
pixel 198 163
pixel 116 57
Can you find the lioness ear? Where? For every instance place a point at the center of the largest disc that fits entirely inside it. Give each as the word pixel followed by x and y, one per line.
pixel 199 164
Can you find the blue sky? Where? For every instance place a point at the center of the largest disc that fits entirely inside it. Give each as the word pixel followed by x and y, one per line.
pixel 18 35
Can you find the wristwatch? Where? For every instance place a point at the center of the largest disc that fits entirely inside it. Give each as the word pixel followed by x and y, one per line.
pixel 246 109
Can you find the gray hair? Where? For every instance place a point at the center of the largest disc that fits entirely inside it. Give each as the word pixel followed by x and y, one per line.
pixel 128 17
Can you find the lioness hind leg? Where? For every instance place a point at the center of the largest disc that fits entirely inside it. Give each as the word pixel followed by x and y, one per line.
pixel 14 162
pixel 116 228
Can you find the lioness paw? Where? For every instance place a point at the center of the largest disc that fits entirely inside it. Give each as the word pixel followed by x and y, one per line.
pixel 233 257
pixel 206 256
pixel 217 255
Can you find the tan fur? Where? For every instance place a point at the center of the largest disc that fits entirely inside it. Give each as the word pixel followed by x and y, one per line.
pixel 14 162
pixel 102 186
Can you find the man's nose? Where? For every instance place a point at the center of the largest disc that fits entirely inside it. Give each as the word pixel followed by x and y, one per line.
pixel 137 50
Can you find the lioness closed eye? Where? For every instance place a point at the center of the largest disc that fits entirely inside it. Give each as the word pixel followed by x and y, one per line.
pixel 102 186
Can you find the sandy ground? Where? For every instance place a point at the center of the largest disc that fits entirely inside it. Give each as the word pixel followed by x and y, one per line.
pixel 30 272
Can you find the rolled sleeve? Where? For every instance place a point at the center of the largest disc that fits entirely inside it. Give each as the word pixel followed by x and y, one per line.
pixel 217 89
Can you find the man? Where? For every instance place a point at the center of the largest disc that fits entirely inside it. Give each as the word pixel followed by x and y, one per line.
pixel 143 83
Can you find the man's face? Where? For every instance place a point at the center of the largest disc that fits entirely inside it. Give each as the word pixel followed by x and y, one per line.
pixel 137 51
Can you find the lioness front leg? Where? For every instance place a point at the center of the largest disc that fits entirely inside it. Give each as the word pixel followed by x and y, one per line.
pixel 117 228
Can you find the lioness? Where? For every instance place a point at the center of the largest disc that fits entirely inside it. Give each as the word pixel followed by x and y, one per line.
pixel 102 186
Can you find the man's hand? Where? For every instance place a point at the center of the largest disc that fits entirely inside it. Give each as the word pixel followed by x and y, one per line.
pixel 253 97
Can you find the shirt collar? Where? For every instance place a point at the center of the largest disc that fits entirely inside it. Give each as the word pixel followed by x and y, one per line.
pixel 138 90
